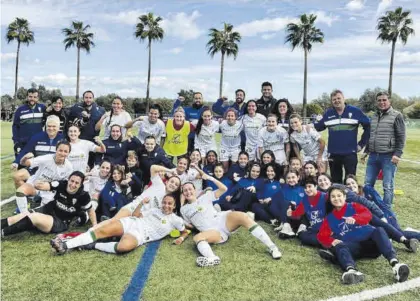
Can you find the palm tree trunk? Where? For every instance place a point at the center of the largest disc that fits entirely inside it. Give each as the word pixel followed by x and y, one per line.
pixel 148 76
pixel 17 70
pixel 391 69
pixel 78 74
pixel 222 64
pixel 305 82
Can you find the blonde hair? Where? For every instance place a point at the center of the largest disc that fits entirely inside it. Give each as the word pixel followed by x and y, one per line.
pixel 180 109
pixel 53 119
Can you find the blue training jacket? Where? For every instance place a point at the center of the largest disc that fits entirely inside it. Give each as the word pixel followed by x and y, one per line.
pixel 27 122
pixel 87 131
pixel 40 144
pixel 220 109
pixel 343 129
pixel 268 188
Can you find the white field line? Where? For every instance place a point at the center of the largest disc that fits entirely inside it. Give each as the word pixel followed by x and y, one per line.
pixel 411 161
pixel 380 291
pixel 7 201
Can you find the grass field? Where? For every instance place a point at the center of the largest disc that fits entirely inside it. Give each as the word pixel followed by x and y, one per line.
pixel 30 272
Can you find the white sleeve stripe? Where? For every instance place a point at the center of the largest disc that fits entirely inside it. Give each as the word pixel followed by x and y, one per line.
pixel 87 206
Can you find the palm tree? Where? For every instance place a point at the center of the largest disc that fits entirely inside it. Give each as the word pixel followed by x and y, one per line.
pixel 226 42
pixel 391 26
pixel 19 30
pixel 149 29
pixel 303 35
pixel 77 35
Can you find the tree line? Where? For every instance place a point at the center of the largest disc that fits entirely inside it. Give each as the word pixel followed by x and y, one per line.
pixel 392 26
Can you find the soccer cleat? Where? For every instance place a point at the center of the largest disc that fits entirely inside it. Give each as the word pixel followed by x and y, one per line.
pixel 327 255
pixel 286 232
pixel 251 215
pixel 412 244
pixel 59 246
pixel 274 223
pixel 90 246
pixel 275 253
pixel 301 228
pixel 401 272
pixel 277 229
pixel 203 261
pixel 217 207
pixel 352 276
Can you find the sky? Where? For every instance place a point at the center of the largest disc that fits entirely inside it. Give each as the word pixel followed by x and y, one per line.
pixel 350 59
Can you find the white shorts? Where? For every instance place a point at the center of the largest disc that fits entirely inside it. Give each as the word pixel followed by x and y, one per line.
pixel 229 153
pixel 205 149
pixel 315 157
pixel 46 196
pixel 134 226
pixel 220 226
pixel 252 151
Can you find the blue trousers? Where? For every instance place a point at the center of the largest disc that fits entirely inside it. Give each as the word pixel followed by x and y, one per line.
pixel 377 244
pixel 244 204
pixel 308 238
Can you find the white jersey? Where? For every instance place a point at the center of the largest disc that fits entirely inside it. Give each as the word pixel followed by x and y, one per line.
pixel 252 126
pixel 274 141
pixel 201 213
pixel 192 177
pixel 307 140
pixel 48 170
pixel 79 154
pixel 157 225
pixel 120 119
pixel 95 183
pixel 157 129
pixel 155 193
pixel 206 137
pixel 231 134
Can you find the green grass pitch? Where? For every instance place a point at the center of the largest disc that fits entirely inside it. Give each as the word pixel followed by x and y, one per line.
pixel 29 271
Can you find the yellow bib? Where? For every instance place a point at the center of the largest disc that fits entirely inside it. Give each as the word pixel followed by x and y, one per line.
pixel 176 142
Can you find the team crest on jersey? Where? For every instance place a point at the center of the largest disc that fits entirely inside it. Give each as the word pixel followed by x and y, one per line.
pixel 301 194
pixel 39 109
pixel 274 186
pixel 163 221
pixel 74 201
pixel 200 209
pixel 344 227
pixel 350 114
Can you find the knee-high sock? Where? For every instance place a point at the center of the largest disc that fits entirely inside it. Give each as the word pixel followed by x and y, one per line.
pixel 4 223
pixel 24 224
pixel 81 240
pixel 107 247
pixel 261 235
pixel 21 202
pixel 205 249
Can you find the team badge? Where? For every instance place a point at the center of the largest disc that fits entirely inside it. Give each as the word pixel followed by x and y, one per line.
pixel 74 201
pixel 350 114
pixel 274 186
pixel 200 209
pixel 163 221
pixel 301 195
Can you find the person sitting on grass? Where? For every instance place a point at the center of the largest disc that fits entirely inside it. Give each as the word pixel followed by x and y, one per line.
pixel 347 232
pixel 70 202
pixel 218 172
pixel 216 227
pixel 50 168
pixel 96 180
pixel 143 227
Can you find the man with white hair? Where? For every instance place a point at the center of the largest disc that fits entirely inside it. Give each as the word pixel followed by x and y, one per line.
pixel 40 144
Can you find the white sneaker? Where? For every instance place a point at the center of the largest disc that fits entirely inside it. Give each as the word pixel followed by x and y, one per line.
pixel 275 253
pixel 301 228
pixel 401 272
pixel 203 261
pixel 287 231
pixel 217 207
pixel 278 228
pixel 274 222
pixel 251 215
pixel 352 277
pixel 412 229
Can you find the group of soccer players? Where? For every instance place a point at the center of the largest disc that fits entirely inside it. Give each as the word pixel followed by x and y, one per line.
pixel 174 177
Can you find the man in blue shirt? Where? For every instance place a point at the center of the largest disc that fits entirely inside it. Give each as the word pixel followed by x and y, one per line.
pixel 239 105
pixel 343 122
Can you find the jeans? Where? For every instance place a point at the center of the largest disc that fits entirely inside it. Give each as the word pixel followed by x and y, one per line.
pixel 337 162
pixel 375 163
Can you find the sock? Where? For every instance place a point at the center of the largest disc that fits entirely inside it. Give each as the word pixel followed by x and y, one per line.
pixel 350 268
pixel 393 262
pixel 24 224
pixel 82 239
pixel 205 249
pixel 258 232
pixel 107 247
pixel 403 239
pixel 21 202
pixel 4 223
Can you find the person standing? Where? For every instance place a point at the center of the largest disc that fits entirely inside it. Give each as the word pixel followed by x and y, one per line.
pixel 343 122
pixel 385 146
pixel 267 102
pixel 239 105
pixel 27 121
pixel 86 115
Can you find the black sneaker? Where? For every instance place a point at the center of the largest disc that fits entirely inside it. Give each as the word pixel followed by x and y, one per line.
pixel 352 277
pixel 412 245
pixel 327 255
pixel 401 272
pixel 59 246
